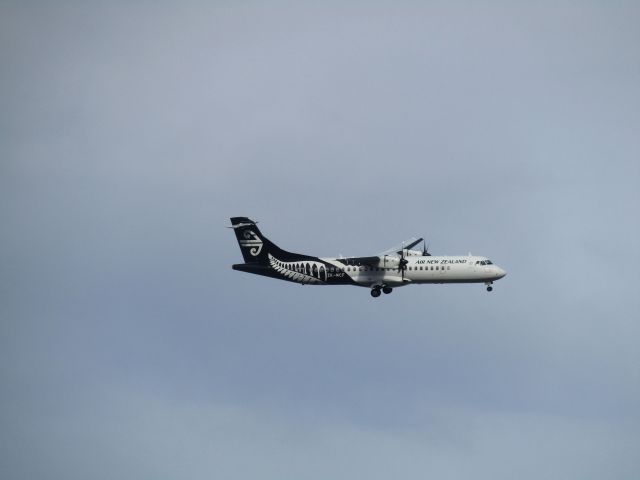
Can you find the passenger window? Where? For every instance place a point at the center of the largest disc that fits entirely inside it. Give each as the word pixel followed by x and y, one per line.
pixel 448 267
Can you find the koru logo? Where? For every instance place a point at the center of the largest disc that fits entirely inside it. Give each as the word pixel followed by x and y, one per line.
pixel 252 241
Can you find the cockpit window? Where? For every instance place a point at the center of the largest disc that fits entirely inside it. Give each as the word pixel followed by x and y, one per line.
pixel 489 262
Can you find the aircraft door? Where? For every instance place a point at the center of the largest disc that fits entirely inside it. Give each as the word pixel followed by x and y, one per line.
pixel 479 270
pixel 442 269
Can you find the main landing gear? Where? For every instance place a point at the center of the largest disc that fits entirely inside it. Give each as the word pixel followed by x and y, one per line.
pixel 489 287
pixel 375 291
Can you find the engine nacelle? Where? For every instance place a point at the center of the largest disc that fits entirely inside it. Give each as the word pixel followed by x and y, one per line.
pixel 389 261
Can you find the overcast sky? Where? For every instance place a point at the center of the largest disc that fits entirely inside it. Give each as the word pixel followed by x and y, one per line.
pixel 131 132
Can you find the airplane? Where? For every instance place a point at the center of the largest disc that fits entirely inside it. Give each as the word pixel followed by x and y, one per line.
pixel 397 267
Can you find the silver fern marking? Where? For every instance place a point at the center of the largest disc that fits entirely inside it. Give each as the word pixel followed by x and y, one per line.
pixel 295 271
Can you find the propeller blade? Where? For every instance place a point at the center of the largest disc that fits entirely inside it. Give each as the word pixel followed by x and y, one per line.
pixel 425 250
pixel 403 261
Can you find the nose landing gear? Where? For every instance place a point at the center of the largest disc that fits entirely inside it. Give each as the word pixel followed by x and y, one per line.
pixel 489 287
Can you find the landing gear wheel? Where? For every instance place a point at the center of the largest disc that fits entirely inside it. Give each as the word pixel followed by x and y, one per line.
pixel 489 288
pixel 387 289
pixel 375 292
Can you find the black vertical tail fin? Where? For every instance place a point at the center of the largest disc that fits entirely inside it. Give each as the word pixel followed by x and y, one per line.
pixel 254 246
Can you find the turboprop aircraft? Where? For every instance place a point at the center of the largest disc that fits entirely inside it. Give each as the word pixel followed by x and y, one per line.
pixel 393 268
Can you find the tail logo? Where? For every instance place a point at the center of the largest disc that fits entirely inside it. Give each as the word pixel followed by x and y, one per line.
pixel 252 241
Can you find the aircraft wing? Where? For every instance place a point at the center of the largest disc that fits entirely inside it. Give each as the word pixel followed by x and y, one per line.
pixel 407 244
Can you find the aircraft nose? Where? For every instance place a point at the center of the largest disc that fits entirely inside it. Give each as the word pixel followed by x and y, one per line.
pixel 501 272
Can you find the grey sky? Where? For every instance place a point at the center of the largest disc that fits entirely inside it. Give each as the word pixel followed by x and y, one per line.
pixel 130 133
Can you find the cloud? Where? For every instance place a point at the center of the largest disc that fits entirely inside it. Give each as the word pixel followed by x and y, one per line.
pixel 130 348
pixel 132 431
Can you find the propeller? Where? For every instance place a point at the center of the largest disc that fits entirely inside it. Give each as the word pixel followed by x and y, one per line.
pixel 425 249
pixel 402 264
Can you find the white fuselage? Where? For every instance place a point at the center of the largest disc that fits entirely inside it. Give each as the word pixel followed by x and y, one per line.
pixel 424 269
